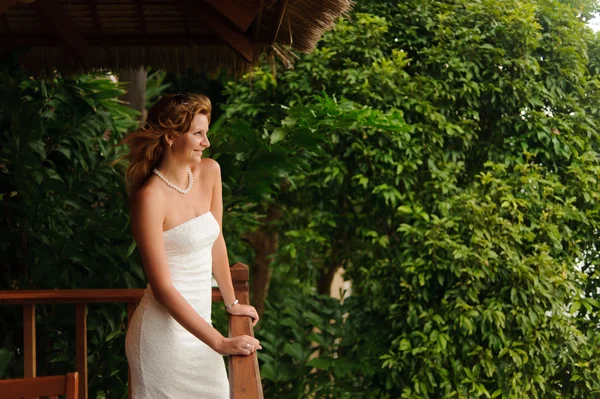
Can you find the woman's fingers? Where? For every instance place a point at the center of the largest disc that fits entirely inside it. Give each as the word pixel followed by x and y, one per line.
pixel 246 310
pixel 248 345
pixel 254 315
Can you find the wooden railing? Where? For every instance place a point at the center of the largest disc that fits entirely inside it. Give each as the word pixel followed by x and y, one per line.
pixel 244 375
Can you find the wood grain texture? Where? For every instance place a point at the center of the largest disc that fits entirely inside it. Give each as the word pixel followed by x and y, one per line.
pixel 127 295
pixel 221 27
pixel 40 386
pixel 29 341
pixel 81 347
pixel 239 13
pixel 244 373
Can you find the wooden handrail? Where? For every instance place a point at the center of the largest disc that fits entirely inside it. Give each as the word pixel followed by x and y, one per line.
pixel 38 297
pixel 246 383
pixel 244 374
pixel 239 276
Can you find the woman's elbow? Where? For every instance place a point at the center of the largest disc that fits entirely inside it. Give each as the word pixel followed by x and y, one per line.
pixel 163 293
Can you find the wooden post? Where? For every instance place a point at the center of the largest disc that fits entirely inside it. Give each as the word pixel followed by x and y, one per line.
pixel 29 345
pixel 81 348
pixel 244 375
pixel 135 97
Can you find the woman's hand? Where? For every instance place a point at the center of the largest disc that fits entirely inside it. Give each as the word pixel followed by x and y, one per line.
pixel 240 345
pixel 244 310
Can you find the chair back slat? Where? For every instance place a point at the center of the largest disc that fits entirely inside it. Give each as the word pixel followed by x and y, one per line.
pixel 40 386
pixel 72 386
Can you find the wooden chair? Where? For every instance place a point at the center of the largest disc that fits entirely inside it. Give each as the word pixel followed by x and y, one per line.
pixel 52 387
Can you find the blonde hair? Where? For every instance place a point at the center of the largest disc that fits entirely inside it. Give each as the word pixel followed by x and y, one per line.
pixel 172 114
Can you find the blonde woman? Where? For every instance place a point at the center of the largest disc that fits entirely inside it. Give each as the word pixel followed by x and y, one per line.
pixel 176 212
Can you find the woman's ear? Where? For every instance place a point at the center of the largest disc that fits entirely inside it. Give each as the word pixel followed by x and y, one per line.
pixel 169 139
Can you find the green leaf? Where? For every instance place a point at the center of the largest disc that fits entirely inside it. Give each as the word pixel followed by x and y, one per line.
pixel 321 363
pixel 575 307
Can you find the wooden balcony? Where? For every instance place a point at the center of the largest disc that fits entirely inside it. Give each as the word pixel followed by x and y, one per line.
pixel 244 374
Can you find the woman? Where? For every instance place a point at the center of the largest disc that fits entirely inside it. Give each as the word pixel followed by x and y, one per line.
pixel 176 212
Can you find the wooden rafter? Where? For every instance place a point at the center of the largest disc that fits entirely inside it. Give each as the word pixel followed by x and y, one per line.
pixel 240 13
pixel 220 26
pixel 59 23
pixel 259 20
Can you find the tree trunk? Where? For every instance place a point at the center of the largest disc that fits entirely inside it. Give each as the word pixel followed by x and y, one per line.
pixel 265 242
pixel 135 96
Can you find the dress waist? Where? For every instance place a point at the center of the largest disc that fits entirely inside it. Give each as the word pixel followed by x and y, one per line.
pixel 200 300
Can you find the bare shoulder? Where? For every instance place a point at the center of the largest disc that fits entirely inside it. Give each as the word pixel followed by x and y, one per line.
pixel 148 199
pixel 209 168
pixel 148 194
pixel 210 165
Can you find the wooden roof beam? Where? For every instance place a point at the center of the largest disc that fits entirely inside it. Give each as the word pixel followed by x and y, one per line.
pixel 59 23
pixel 240 12
pixel 259 20
pixel 221 26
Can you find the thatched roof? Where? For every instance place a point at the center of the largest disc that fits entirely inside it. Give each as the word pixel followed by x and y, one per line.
pixel 178 34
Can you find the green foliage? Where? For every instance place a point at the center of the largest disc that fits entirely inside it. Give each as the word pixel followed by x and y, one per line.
pixel 470 236
pixel 63 197
pixel 301 334
pixel 156 84
pixel 354 159
pixel 64 223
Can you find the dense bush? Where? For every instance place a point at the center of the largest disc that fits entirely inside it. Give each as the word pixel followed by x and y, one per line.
pixel 64 221
pixel 471 240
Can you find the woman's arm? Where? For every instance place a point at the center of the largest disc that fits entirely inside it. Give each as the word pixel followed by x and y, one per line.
pixel 147 220
pixel 220 265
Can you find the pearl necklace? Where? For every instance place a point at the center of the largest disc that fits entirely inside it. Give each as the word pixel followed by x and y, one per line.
pixel 190 181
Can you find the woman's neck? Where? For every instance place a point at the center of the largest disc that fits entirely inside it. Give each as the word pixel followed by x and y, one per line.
pixel 176 173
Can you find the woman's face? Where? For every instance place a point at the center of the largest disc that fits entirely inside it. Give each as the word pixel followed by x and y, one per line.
pixel 189 146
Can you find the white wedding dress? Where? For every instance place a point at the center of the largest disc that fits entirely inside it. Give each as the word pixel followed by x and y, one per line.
pixel 166 361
